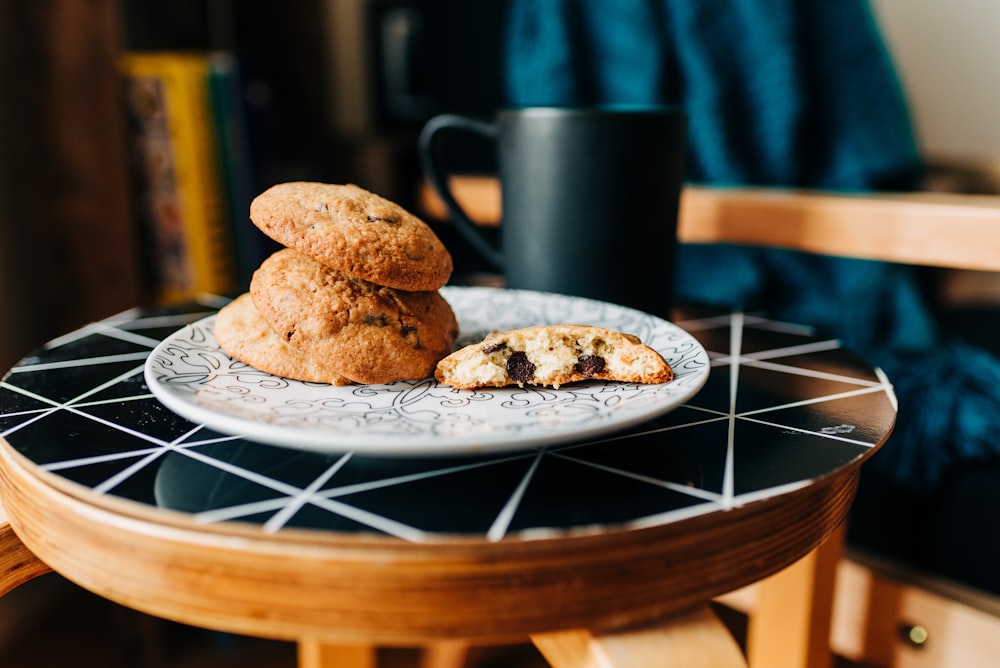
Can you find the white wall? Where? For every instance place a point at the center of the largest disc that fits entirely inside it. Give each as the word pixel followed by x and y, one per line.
pixel 948 56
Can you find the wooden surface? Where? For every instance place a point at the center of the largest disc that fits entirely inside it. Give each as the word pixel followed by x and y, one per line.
pixel 373 590
pixel 877 606
pixel 17 563
pixel 957 231
pixel 876 602
pixel 315 654
pixel 791 621
pixel 694 639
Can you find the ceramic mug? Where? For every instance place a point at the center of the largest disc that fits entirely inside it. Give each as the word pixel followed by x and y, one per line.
pixel 589 195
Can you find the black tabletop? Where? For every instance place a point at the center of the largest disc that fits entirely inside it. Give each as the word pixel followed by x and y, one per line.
pixel 781 408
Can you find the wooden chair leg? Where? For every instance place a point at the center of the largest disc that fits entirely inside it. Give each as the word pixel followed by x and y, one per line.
pixel 697 640
pixel 790 625
pixel 17 563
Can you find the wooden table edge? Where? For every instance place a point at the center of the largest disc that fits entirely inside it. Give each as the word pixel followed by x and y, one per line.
pixel 385 591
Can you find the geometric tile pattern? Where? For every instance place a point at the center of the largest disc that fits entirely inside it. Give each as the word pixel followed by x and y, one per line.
pixel 780 408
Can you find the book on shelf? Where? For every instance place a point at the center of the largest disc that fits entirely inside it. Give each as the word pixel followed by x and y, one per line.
pixel 187 183
pixel 250 245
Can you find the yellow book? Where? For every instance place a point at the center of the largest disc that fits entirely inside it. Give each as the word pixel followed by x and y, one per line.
pixel 179 190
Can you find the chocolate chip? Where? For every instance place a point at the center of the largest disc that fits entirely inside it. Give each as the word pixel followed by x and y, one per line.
pixel 589 365
pixel 487 350
pixel 377 319
pixel 382 219
pixel 520 368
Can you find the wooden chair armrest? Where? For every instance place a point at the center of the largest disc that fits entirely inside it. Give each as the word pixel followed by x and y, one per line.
pixel 932 229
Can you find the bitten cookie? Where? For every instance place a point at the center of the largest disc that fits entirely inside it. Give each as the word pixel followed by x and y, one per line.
pixel 244 335
pixel 352 230
pixel 365 332
pixel 553 355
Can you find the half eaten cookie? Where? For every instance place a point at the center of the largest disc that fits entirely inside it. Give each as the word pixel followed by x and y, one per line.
pixel 553 355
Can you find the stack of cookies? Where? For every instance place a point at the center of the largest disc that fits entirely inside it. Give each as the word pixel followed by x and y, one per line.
pixel 352 298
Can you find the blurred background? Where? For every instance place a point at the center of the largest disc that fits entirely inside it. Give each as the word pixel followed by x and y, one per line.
pixel 331 90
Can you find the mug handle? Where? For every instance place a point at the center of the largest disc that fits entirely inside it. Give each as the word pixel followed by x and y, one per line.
pixel 429 143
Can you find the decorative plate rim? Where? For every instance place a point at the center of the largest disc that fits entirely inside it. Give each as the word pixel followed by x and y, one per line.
pixel 193 377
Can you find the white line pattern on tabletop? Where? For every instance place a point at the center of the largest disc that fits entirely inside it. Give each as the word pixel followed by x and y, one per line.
pixel 323 492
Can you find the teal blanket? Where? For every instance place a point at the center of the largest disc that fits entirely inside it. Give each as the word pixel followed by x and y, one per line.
pixel 779 93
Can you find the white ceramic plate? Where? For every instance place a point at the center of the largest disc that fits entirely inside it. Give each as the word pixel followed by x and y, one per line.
pixel 192 376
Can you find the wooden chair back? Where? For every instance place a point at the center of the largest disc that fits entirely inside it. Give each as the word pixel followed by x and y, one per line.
pixel 930 229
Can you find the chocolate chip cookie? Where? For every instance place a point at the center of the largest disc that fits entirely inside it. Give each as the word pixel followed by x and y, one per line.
pixel 354 231
pixel 553 355
pixel 366 332
pixel 244 335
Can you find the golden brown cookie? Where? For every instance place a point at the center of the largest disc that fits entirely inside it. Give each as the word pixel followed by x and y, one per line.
pixel 244 335
pixel 366 332
pixel 352 230
pixel 553 355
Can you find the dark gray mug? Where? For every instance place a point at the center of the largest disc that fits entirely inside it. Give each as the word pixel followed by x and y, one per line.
pixel 590 199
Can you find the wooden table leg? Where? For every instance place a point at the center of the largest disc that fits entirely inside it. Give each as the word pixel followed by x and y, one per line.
pixel 17 563
pixel 790 624
pixel 316 654
pixel 696 640
pixel 444 655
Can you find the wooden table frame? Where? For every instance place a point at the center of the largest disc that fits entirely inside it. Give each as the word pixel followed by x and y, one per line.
pixel 428 596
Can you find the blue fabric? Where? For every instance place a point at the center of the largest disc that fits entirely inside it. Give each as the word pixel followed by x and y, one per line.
pixel 779 93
